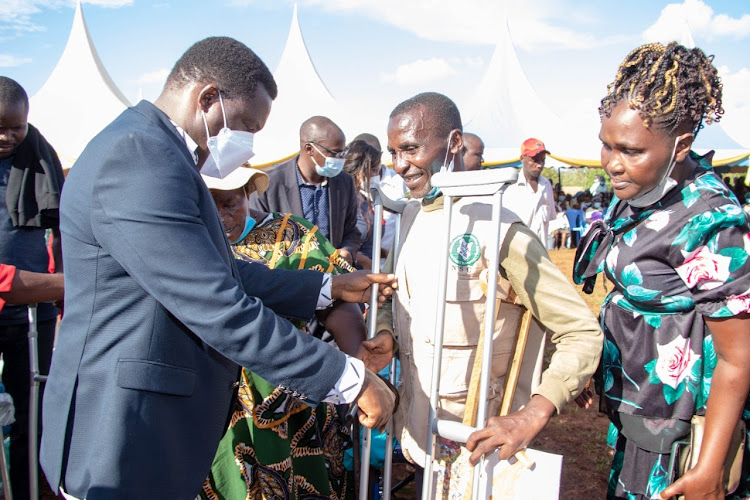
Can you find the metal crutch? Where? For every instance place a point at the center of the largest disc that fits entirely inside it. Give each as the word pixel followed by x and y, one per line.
pixel 379 201
pixel 7 417
pixel 475 183
pixel 36 380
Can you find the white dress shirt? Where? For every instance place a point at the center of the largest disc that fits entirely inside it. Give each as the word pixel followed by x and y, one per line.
pixel 535 208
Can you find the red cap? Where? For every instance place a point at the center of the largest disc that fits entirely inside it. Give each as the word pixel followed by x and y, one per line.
pixel 532 147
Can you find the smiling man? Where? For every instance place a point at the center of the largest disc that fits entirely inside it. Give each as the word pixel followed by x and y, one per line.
pixel 424 135
pixel 160 315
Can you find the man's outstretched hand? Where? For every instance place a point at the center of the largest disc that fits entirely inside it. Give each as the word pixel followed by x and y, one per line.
pixel 511 433
pixel 376 401
pixel 355 287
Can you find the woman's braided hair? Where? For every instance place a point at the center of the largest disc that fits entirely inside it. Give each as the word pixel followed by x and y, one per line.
pixel 670 85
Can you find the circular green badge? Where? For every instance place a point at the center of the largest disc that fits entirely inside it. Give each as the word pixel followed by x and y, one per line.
pixel 464 249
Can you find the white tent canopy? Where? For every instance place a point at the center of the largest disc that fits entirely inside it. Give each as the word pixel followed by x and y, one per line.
pixel 78 99
pixel 506 110
pixel 302 94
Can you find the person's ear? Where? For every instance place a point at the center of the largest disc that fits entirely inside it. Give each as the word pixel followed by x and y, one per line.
pixel 308 149
pixel 684 143
pixel 457 141
pixel 208 96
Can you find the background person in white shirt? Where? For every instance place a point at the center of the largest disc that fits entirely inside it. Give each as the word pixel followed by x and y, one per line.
pixel 531 197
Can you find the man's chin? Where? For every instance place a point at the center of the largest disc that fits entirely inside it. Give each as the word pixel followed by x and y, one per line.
pixel 420 193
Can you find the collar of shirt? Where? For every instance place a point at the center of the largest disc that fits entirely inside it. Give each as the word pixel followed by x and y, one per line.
pixel 522 181
pixel 189 142
pixel 302 182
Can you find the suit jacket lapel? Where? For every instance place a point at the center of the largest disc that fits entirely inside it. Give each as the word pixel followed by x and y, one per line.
pixel 294 199
pixel 155 114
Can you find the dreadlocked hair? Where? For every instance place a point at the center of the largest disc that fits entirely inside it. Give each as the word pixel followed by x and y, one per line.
pixel 670 85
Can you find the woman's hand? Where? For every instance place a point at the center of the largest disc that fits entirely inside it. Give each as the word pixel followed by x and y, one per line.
pixel 730 385
pixel 697 484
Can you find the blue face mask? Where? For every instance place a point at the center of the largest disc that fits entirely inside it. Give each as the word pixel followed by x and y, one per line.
pixel 249 225
pixel 597 204
pixel 331 167
pixel 434 193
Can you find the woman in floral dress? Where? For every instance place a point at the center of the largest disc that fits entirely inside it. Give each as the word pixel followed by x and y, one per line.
pixel 675 243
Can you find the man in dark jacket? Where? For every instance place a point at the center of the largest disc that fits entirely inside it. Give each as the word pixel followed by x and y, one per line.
pixel 311 185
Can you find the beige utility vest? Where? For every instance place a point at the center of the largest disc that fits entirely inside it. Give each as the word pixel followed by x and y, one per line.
pixel 416 311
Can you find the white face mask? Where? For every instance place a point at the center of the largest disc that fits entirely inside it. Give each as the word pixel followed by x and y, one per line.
pixel 228 149
pixel 665 185
pixel 331 167
pixel 447 167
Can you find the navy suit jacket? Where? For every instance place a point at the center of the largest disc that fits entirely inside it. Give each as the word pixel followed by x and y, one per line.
pixel 157 321
pixel 283 196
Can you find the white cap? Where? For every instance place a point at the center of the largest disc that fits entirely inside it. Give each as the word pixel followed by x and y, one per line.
pixel 239 178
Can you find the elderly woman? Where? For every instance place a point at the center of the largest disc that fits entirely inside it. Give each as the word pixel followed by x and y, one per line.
pixel 675 243
pixel 276 446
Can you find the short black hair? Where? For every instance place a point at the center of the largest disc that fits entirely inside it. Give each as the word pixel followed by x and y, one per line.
pixel 11 92
pixel 444 110
pixel 232 64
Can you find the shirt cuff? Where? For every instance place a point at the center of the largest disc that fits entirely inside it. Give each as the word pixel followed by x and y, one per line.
pixel 349 383
pixel 324 299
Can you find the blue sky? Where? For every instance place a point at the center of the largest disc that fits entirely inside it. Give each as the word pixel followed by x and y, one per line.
pixel 374 53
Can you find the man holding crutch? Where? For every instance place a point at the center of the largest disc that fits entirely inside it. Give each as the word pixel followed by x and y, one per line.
pixel 425 136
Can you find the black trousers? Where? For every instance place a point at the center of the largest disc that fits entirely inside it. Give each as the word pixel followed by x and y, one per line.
pixel 14 346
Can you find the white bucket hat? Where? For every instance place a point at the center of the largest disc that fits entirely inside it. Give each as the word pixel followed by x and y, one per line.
pixel 239 178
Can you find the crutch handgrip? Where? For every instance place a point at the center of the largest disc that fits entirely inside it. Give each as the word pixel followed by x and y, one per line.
pixel 352 413
pixel 459 432
pixel 394 206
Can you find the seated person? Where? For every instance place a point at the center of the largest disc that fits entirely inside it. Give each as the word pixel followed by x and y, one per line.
pixel 595 211
pixel 276 442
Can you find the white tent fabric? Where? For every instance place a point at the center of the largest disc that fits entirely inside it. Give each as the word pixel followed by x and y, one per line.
pixel 78 99
pixel 506 110
pixel 302 94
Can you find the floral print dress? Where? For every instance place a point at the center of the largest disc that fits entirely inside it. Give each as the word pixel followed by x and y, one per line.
pixel 672 264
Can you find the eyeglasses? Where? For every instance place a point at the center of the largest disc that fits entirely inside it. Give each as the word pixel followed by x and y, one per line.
pixel 335 154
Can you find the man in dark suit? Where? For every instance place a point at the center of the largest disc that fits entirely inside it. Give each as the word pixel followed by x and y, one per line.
pixel 159 315
pixel 310 185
